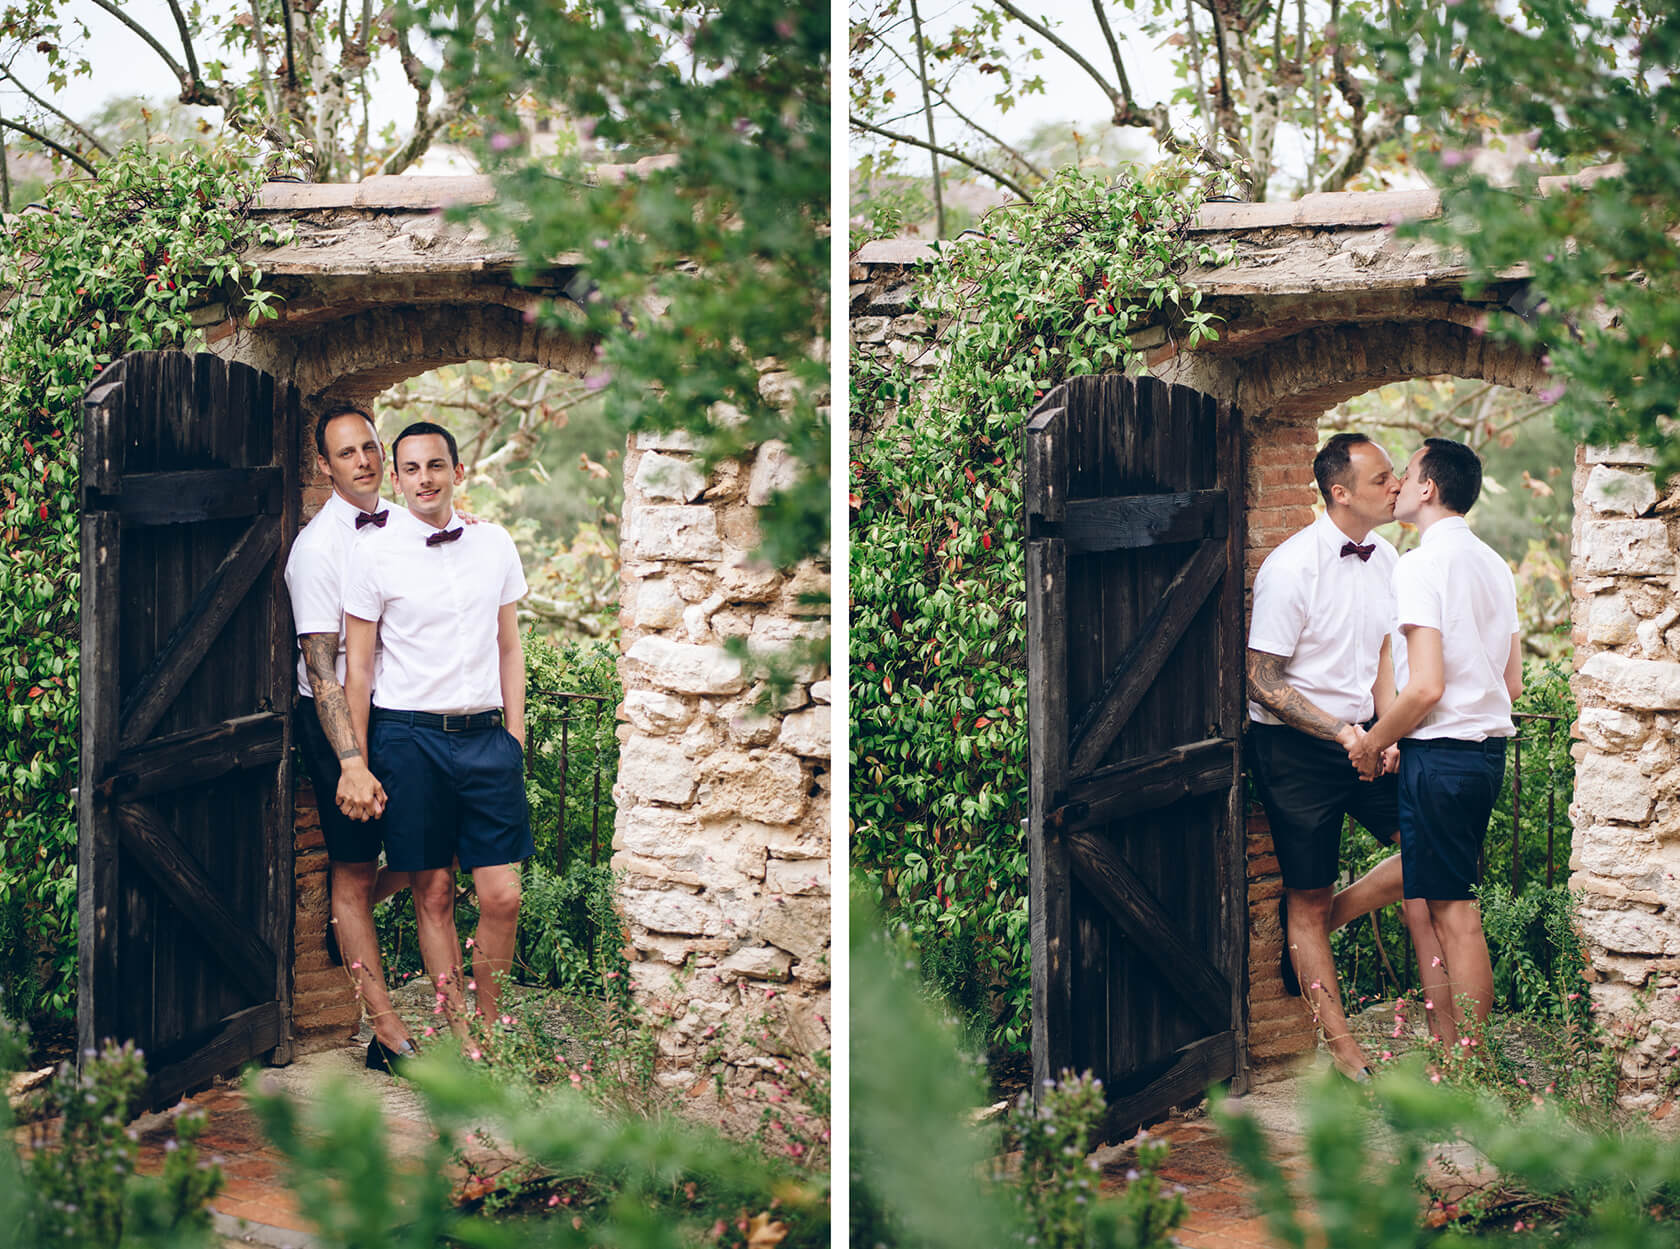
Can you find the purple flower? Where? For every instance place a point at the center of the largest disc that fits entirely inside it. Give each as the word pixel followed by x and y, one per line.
pixel 1552 393
pixel 784 28
pixel 1452 156
pixel 500 142
pixel 598 381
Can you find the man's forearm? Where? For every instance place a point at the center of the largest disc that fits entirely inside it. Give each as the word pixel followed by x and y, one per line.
pixel 320 651
pixel 1267 687
pixel 513 690
pixel 1406 713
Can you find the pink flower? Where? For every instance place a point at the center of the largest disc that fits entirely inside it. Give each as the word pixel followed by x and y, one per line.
pixel 1452 157
pixel 500 142
pixel 598 381
pixel 554 1201
pixel 1552 393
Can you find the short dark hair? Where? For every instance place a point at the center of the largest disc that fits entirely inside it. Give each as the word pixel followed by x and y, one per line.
pixel 426 427
pixel 1331 465
pixel 1456 471
pixel 331 415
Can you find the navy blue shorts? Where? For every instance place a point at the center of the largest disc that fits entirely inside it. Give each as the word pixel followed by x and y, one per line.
pixel 1447 792
pixel 449 794
pixel 1308 786
pixel 348 840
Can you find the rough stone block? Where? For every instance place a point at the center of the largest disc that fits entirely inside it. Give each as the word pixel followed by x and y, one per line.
pixel 673 532
pixel 774 469
pixel 798 925
pixel 797 876
pixel 1618 492
pixel 656 831
pixel 664 440
pixel 686 668
pixel 1637 547
pixel 760 962
pixel 671 911
pixel 806 733
pixel 1643 684
pixel 1610 622
pixel 1625 453
pixel 744 579
pixel 1612 789
pixel 656 770
pixel 768 787
pixel 657 713
pixel 668 477
pixel 821 692
pixel 1610 730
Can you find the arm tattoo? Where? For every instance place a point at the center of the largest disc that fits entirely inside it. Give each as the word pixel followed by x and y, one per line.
pixel 1267 687
pixel 320 655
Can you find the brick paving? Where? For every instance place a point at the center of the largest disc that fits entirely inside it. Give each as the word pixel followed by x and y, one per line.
pixel 1222 1210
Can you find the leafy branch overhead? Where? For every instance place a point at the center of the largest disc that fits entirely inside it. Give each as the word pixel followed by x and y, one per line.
pixel 1258 88
pixel 709 268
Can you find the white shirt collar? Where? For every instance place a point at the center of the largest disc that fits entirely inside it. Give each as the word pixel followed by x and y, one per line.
pixel 345 512
pixel 1330 533
pixel 1443 527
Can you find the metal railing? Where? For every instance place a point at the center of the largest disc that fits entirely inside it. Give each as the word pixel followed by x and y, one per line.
pixel 571 716
pixel 1534 731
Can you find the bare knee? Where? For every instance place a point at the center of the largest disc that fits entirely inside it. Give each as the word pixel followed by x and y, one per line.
pixel 352 885
pixel 498 900
pixel 1456 919
pixel 434 895
pixel 1311 905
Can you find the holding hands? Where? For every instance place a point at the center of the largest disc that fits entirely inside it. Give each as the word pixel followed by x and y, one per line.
pixel 1368 761
pixel 360 795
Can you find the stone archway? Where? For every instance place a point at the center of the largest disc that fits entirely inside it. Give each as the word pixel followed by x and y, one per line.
pixel 1322 302
pixel 722 836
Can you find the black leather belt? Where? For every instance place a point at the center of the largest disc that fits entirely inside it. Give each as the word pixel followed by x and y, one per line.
pixel 449 724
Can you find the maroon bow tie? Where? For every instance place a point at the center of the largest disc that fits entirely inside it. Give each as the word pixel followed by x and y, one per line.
pixel 376 519
pixel 442 536
pixel 1353 548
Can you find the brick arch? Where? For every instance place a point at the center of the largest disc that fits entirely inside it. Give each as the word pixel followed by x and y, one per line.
pixel 354 357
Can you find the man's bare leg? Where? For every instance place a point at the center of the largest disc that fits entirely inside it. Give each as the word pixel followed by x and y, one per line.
pixel 498 892
pixel 1458 923
pixel 1308 941
pixel 352 913
pixel 1377 888
pixel 390 883
pixel 440 947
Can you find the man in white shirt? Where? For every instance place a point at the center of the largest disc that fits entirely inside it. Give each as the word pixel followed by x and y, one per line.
pixel 1319 667
pixel 444 710
pixel 1456 603
pixel 350 799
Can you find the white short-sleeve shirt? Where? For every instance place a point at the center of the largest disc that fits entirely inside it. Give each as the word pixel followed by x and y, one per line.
pixel 1455 583
pixel 1327 614
pixel 437 608
pixel 315 575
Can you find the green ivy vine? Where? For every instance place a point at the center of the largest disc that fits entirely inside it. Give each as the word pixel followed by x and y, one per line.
pixel 104 265
pixel 1053 289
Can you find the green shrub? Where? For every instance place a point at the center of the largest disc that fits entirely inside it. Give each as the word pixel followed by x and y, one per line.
pixel 111 264
pixel 586 727
pixel 1054 289
pixel 78 1187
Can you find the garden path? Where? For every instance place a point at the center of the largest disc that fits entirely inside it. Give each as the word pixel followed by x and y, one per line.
pixel 255 1206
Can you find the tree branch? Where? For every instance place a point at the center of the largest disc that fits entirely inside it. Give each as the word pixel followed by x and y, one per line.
pixel 186 42
pixel 46 142
pixel 1113 50
pixel 1122 104
pixel 188 83
pixel 1000 178
pixel 1364 144
pixel 56 112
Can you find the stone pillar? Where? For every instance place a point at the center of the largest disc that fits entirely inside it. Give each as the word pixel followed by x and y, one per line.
pixel 722 834
pixel 1626 812
pixel 1279 501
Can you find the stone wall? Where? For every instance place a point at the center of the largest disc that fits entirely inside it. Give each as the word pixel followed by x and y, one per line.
pixel 1626 811
pixel 722 839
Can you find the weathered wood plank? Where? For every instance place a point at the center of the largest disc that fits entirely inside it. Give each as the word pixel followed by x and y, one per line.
pixel 179 878
pixel 1187 1075
pixel 1201 986
pixel 190 642
pixel 1158 637
pixel 1049 922
pixel 178 498
pixel 96 851
pixel 1046 462
pixel 279 881
pixel 197 755
pixel 1145 784
pixel 1116 524
pixel 235 1040
pixel 1231 865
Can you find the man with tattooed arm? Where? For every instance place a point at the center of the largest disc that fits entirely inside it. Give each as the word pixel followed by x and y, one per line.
pixel 351 799
pixel 1320 667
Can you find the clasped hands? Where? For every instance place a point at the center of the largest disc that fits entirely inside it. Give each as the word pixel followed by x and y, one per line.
pixel 1368 761
pixel 360 795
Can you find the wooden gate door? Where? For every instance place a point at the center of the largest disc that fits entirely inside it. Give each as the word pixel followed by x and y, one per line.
pixel 1135 704
pixel 189 478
